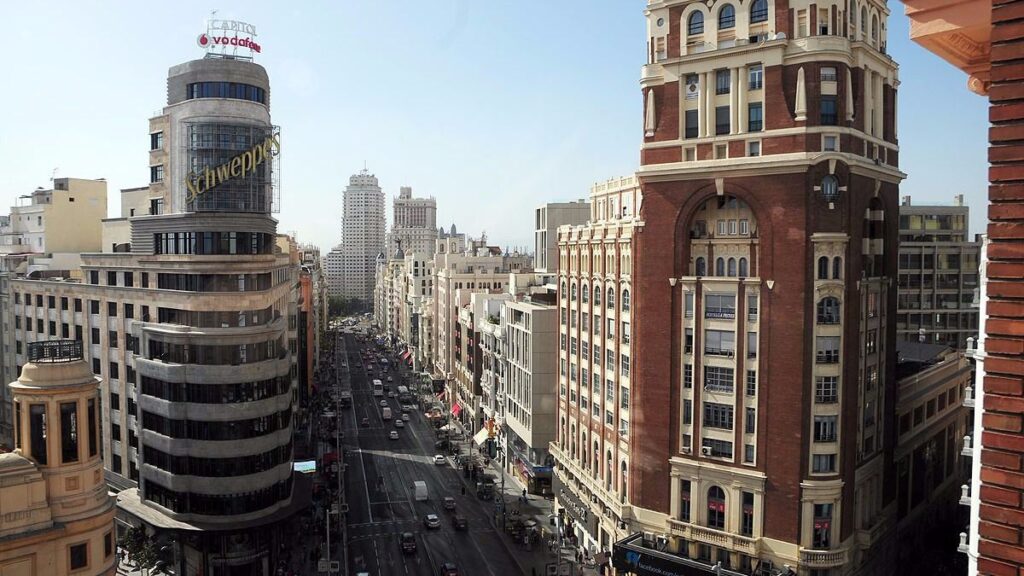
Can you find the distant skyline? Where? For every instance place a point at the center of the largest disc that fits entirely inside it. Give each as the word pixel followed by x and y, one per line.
pixel 493 108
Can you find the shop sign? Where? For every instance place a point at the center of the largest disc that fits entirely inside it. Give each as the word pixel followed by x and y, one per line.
pixel 224 36
pixel 238 167
pixel 579 511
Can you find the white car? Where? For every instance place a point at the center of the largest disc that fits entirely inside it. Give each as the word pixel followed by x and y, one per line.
pixel 393 435
pixel 439 460
pixel 399 424
pixel 384 403
pixel 405 417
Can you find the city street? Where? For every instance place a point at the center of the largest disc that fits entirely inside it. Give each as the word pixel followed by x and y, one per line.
pixel 380 473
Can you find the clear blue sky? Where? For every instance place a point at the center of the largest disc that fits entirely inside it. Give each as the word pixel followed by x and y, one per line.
pixel 493 107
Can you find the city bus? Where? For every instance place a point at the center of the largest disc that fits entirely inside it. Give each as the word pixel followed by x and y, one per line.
pixel 378 387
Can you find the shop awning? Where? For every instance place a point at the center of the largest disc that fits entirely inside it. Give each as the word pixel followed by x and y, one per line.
pixel 456 409
pixel 480 437
pixel 406 354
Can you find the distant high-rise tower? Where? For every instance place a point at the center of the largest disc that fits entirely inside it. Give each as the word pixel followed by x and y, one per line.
pixel 414 224
pixel 362 234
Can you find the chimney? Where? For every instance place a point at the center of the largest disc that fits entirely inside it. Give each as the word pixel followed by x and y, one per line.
pixel 906 201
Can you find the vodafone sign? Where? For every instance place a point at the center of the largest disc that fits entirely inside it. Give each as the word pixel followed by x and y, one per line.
pixel 227 37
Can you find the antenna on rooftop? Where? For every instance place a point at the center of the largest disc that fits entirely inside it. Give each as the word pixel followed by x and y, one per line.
pixel 53 174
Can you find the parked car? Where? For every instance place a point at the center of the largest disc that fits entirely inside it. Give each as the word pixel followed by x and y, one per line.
pixel 439 460
pixel 441 445
pixel 393 435
pixel 459 522
pixel 449 569
pixel 449 503
pixel 431 521
pixel 408 540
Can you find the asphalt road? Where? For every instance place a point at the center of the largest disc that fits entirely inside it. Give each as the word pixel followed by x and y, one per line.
pixel 379 490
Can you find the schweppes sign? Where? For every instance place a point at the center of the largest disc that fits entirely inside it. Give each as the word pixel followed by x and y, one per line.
pixel 238 167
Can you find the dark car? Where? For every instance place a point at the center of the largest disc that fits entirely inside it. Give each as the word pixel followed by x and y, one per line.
pixel 441 445
pixel 408 542
pixel 448 569
pixel 459 522
pixel 365 422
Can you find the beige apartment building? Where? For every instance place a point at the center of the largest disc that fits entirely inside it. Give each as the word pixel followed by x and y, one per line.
pixel 592 449
pixel 58 517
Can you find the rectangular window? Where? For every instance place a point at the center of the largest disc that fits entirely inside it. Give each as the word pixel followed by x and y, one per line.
pixel 829 112
pixel 625 332
pixel 93 430
pixel 719 342
pixel 748 453
pixel 750 425
pixel 79 556
pixel 39 325
pixel 156 173
pixel 717 448
pixel 825 428
pixel 722 122
pixel 755 77
pixel 754 148
pixel 687 411
pixel 37 431
pixel 112 338
pixel 685 499
pixel 94 307
pixel 687 376
pixel 722 80
pixel 826 389
pixel 156 141
pixel 624 397
pixel 751 383
pixel 111 278
pixel 625 365
pixel 720 306
pixel 718 415
pixel 688 341
pixel 751 344
pixel 871 342
pixel 827 349
pixel 94 277
pixel 108 544
pixel 830 143
pixel 692 124
pixel 718 379
pixel 69 432
pixel 755 117
pixel 822 526
pixel 689 304
pixel 823 463
pixel 747 519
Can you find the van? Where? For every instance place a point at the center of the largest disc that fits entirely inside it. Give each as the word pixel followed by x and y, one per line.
pixel 420 489
pixel 386 413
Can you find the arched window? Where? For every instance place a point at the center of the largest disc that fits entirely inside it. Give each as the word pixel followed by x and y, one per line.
pixel 584 294
pixel 828 310
pixel 720 267
pixel 623 482
pixel 874 27
pixel 732 267
pixel 696 24
pixel 611 297
pixel 572 442
pixel 564 289
pixel 701 267
pixel 597 460
pixel 597 295
pixel 853 12
pixel 759 11
pixel 863 19
pixel 823 268
pixel 830 188
pixel 609 471
pixel 583 451
pixel 562 430
pixel 716 508
pixel 625 300
pixel 572 292
pixel 727 17
pixel 744 271
pixel 837 268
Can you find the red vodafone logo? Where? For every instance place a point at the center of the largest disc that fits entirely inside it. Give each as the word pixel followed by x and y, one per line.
pixel 203 40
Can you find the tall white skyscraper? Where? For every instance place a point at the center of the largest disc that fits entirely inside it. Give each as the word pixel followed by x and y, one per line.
pixel 362 234
pixel 414 224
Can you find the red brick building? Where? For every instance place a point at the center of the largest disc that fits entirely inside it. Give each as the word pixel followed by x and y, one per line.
pixel 985 39
pixel 764 268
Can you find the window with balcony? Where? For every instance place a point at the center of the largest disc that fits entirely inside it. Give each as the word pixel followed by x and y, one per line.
pixel 718 416
pixel 822 539
pixel 718 379
pixel 684 498
pixel 747 519
pixel 716 508
pixel 720 306
pixel 826 389
pixel 719 343
pixel 692 124
pixel 755 77
pixel 721 120
pixel 827 349
pixel 829 111
pixel 755 117
pixel 723 78
pixel 828 310
pixel 825 428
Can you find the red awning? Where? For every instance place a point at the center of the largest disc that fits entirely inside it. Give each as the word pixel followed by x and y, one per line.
pixel 406 354
pixel 456 408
